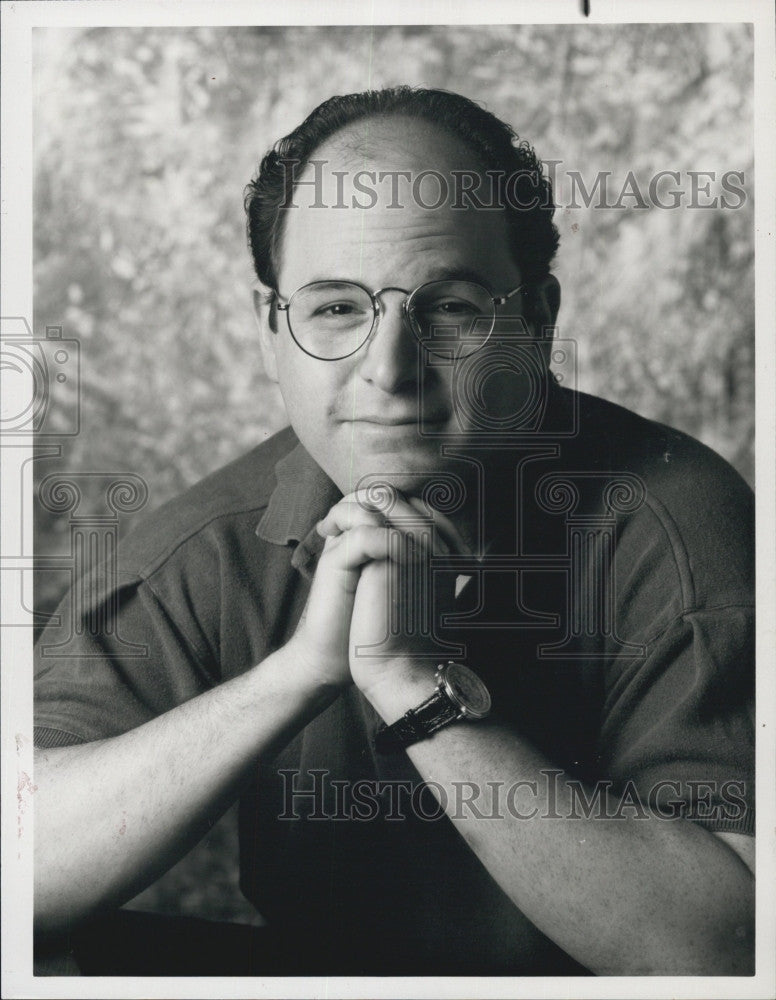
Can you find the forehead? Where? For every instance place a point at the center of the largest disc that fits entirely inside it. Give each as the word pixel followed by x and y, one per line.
pixel 381 205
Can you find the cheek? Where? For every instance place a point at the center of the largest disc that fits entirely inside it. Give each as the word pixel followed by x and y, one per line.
pixel 309 390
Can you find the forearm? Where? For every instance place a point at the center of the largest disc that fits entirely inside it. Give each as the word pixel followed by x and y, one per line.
pixel 625 896
pixel 113 815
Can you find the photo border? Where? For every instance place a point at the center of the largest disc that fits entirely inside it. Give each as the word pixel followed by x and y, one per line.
pixel 18 20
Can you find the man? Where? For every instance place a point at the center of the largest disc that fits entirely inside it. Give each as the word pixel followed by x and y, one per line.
pixel 438 498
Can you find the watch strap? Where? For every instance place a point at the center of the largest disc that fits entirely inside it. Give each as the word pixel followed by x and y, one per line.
pixel 415 725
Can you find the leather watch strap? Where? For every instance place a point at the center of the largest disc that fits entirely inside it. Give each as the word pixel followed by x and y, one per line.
pixel 416 724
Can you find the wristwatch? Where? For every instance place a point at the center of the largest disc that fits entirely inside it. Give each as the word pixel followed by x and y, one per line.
pixel 459 694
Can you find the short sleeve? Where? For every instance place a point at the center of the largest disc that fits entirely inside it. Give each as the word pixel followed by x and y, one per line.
pixel 678 724
pixel 112 666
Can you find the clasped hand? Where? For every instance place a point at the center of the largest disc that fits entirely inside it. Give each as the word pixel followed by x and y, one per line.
pixel 374 598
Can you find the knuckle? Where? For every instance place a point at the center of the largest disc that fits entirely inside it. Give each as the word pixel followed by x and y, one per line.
pixel 367 533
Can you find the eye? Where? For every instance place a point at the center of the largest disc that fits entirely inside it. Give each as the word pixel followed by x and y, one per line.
pixel 451 307
pixel 340 312
pixel 336 309
pixel 458 306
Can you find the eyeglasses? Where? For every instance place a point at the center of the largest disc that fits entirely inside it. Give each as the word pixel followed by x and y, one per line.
pixel 331 320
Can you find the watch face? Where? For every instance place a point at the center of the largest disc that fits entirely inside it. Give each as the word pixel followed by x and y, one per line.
pixel 467 690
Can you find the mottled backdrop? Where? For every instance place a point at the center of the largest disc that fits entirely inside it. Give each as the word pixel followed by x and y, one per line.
pixel 145 138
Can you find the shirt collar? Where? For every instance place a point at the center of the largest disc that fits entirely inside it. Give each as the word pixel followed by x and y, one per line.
pixel 302 496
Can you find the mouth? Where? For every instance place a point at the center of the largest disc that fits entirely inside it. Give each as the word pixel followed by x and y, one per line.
pixel 406 420
pixel 381 422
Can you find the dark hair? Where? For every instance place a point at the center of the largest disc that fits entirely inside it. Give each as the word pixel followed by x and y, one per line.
pixel 529 204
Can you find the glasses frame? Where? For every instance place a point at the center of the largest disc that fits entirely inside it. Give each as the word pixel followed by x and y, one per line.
pixel 377 310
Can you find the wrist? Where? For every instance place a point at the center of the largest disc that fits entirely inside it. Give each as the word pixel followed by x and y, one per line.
pixel 459 695
pixel 304 671
pixel 399 685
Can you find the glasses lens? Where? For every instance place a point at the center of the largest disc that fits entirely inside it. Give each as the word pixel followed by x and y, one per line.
pixel 330 319
pixel 452 317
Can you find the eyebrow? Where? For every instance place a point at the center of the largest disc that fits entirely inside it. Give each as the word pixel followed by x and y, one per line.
pixel 435 274
pixel 466 273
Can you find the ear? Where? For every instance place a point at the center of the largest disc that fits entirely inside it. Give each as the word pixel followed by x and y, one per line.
pixel 265 313
pixel 546 304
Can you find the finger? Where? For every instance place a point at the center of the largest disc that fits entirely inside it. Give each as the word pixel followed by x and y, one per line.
pixel 368 543
pixel 435 532
pixel 356 546
pixel 447 529
pixel 360 507
pixel 397 510
pixel 347 514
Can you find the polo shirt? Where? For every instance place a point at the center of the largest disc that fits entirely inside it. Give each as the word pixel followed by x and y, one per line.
pixel 612 620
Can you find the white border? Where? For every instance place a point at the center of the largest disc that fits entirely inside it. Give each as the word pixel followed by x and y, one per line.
pixel 17 21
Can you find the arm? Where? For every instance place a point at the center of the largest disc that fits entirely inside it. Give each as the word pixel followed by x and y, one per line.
pixel 112 815
pixel 627 896
pixel 622 897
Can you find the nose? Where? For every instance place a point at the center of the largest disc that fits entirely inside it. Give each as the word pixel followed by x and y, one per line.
pixel 390 357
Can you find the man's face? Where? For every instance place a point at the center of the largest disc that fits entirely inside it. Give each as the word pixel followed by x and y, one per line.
pixel 362 415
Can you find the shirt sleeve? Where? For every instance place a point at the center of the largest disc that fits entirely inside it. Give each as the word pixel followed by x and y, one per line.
pixel 678 725
pixel 677 721
pixel 107 665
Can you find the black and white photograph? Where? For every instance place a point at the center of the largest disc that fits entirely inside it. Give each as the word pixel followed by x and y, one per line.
pixel 388 548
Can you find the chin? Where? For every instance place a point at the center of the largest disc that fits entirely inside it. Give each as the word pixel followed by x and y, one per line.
pixel 411 472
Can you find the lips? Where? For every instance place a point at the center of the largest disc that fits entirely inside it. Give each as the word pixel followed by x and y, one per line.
pixel 408 422
pixel 402 420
